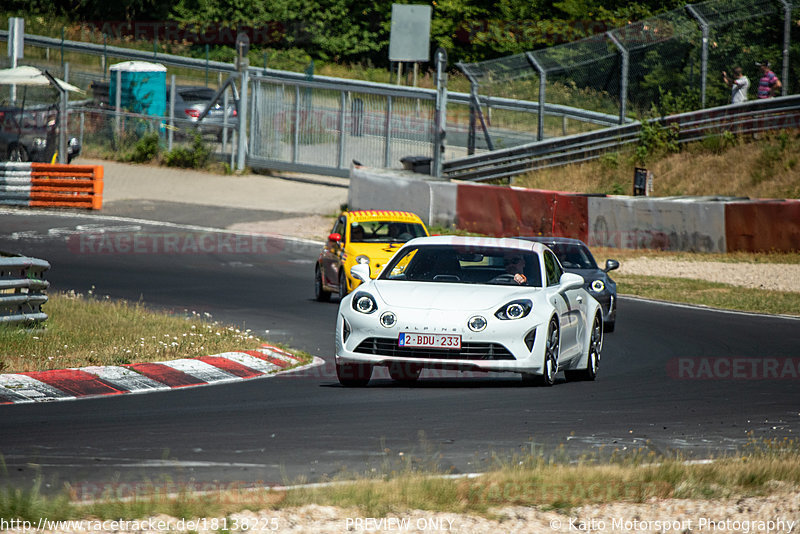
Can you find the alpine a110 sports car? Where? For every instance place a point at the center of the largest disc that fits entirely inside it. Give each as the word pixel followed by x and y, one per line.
pixel 575 257
pixel 469 304
pixel 369 237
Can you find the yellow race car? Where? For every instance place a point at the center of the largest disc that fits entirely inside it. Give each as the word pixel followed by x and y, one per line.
pixel 370 237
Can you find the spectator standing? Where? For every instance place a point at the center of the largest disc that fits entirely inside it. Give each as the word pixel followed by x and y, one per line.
pixel 768 84
pixel 739 85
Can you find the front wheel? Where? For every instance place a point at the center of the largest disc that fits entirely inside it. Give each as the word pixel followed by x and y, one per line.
pixel 342 284
pixel 550 364
pixel 353 375
pixel 592 357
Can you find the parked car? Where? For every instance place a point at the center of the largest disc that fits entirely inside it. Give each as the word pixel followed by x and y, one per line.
pixel 368 237
pixel 32 135
pixel 576 258
pixel 469 303
pixel 190 101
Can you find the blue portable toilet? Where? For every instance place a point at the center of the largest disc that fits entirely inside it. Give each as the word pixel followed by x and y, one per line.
pixel 144 87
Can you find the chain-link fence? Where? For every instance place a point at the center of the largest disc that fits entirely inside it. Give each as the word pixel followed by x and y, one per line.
pixel 93 118
pixel 316 126
pixel 668 63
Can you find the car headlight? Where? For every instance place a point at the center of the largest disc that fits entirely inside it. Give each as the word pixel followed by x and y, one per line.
pixel 362 259
pixel 598 286
pixel 476 323
pixel 514 310
pixel 388 319
pixel 39 142
pixel 364 303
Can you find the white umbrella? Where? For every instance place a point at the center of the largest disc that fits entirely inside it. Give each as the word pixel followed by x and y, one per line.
pixel 31 76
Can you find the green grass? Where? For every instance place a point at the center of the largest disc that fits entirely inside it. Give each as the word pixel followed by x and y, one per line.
pixel 792 258
pixel 713 294
pixel 89 330
pixel 549 482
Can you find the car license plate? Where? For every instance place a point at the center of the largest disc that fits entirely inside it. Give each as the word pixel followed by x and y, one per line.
pixel 437 341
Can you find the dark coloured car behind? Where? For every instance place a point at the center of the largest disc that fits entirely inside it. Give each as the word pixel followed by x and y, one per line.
pixel 575 257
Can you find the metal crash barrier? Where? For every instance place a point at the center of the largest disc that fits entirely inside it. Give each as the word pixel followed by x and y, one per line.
pixel 51 185
pixel 22 289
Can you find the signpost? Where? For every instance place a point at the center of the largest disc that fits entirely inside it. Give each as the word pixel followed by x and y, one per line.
pixel 242 63
pixel 409 37
pixel 16 46
pixel 440 118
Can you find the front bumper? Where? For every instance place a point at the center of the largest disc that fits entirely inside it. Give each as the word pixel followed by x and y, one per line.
pixel 500 347
pixel 608 303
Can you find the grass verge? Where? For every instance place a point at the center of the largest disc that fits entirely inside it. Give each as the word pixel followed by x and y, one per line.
pixel 792 258
pixel 766 167
pixel 761 468
pixel 83 330
pixel 713 294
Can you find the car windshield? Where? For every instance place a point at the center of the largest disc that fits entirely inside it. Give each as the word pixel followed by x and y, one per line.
pixel 197 95
pixel 574 256
pixel 385 232
pixel 465 265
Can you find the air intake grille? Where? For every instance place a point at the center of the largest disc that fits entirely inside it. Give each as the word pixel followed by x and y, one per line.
pixel 380 346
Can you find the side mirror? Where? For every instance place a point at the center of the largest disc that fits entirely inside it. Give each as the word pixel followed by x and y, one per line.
pixel 360 271
pixel 570 281
pixel 611 265
pixel 335 237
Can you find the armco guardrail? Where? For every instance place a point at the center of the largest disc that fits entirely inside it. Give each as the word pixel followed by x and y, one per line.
pixel 22 289
pixel 746 118
pixel 51 185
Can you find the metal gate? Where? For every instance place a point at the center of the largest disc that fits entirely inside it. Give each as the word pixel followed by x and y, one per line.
pixel 322 127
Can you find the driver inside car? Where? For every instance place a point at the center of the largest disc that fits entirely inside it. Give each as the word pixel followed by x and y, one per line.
pixel 515 264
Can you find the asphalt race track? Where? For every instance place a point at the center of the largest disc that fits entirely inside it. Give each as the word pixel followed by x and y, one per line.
pixel 671 377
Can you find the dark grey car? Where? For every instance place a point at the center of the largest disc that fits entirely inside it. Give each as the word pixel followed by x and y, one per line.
pixel 575 257
pixel 190 102
pixel 31 135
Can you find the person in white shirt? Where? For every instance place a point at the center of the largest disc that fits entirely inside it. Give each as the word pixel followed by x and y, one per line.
pixel 739 85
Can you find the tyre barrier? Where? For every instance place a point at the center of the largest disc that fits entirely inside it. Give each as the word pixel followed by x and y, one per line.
pixel 22 289
pixel 51 185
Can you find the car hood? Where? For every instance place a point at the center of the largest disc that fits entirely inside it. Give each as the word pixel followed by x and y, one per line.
pixel 378 253
pixel 448 296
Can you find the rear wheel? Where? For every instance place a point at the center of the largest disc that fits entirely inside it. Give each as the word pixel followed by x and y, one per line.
pixel 550 364
pixel 319 290
pixel 404 372
pixel 353 375
pixel 593 356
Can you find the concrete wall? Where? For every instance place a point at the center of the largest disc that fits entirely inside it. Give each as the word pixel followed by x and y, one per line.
pixel 385 189
pixel 665 224
pixel 504 211
pixel 703 224
pixel 763 225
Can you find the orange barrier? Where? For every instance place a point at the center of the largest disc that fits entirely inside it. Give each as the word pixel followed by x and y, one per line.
pixel 763 226
pixel 503 211
pixel 66 186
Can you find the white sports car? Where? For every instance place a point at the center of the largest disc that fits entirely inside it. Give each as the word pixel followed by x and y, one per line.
pixel 469 304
